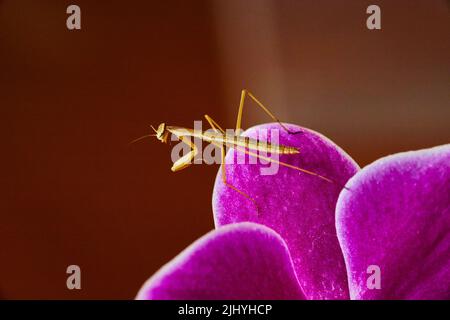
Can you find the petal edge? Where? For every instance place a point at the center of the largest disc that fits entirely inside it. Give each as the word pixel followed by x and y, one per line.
pixel 240 261
pixel 397 216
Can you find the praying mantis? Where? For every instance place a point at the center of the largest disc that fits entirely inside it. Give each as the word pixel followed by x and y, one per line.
pixel 222 140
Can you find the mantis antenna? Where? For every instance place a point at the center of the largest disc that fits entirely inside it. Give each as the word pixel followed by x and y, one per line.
pixel 143 137
pixel 146 136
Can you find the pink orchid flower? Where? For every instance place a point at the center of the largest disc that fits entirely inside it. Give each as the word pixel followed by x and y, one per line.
pixel 311 239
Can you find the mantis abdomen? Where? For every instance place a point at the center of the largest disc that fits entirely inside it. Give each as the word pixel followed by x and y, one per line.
pixel 234 141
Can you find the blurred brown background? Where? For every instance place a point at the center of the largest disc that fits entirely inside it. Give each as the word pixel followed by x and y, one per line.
pixel 74 192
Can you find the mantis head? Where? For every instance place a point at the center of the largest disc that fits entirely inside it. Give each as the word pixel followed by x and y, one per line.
pixel 161 133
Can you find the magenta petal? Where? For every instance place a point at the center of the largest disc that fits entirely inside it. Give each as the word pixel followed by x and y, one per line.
pixel 241 261
pixel 397 216
pixel 300 207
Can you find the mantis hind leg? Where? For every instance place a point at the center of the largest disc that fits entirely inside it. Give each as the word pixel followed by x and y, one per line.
pixel 224 180
pixel 244 93
pixel 312 173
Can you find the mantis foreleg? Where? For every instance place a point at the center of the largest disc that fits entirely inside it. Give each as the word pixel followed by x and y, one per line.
pixel 186 160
